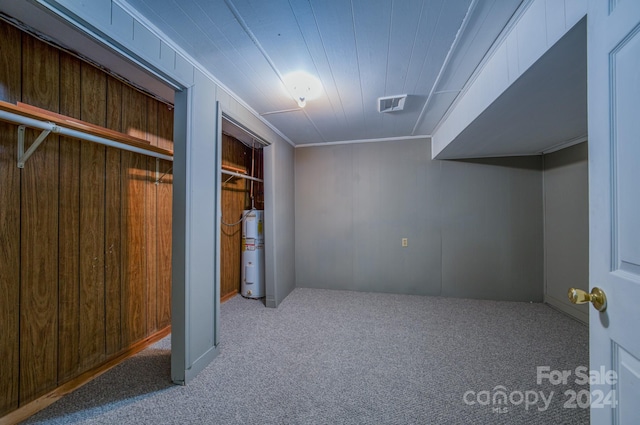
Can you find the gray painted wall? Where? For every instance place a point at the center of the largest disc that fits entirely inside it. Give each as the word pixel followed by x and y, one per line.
pixel 279 220
pixel 474 227
pixel 195 290
pixel 566 227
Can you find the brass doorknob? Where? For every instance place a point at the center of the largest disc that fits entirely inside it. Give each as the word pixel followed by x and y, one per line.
pixel 596 297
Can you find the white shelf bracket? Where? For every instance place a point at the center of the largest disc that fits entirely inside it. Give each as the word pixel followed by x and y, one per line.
pixel 159 179
pixel 22 155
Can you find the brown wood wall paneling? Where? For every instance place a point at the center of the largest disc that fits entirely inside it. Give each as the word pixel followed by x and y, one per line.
pixel 151 218
pixel 164 200
pixel 113 219
pixel 10 68
pixel 92 326
pixel 39 230
pixel 165 127
pixel 132 187
pixel 69 226
pixel 86 253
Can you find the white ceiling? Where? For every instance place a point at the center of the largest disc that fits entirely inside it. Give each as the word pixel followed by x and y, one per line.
pixel 359 49
pixel 543 110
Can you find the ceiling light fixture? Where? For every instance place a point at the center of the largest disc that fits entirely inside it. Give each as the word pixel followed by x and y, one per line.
pixel 302 87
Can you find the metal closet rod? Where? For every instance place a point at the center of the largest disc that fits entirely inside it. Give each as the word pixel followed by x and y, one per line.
pixel 55 128
pixel 242 176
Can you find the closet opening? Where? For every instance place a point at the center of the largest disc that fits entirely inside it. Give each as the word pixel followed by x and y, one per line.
pixel 242 204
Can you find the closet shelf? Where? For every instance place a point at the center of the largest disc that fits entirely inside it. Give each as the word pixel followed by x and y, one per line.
pixel 238 170
pixel 30 116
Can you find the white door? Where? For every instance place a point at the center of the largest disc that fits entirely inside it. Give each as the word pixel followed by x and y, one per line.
pixel 614 208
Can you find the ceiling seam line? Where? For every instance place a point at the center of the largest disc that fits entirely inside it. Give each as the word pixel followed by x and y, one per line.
pixel 386 71
pixel 314 125
pixel 513 19
pixel 454 45
pixel 355 43
pixel 264 53
pixel 240 69
pixel 304 39
pixel 253 38
pixel 324 49
pixel 222 51
pixel 198 66
pixel 314 65
pixel 413 49
pixel 427 52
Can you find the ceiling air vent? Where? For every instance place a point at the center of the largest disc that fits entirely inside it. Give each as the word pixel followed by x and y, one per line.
pixel 391 103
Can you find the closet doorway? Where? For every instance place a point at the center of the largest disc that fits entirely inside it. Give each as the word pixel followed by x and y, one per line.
pixel 242 197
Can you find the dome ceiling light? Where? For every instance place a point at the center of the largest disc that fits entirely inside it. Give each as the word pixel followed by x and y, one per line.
pixel 302 87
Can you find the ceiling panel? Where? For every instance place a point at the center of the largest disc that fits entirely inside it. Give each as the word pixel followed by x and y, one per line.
pixel 307 25
pixel 359 49
pixel 307 133
pixel 226 49
pixel 362 50
pixel 446 24
pixel 372 48
pixel 407 41
pixel 335 25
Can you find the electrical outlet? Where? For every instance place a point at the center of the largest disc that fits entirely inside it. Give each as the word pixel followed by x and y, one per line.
pixel 405 242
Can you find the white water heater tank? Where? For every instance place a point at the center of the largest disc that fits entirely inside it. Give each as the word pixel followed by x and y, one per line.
pixel 252 274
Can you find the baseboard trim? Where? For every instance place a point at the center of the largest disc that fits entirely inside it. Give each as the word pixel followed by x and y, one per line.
pixel 270 302
pixel 228 296
pixel 568 310
pixel 51 397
